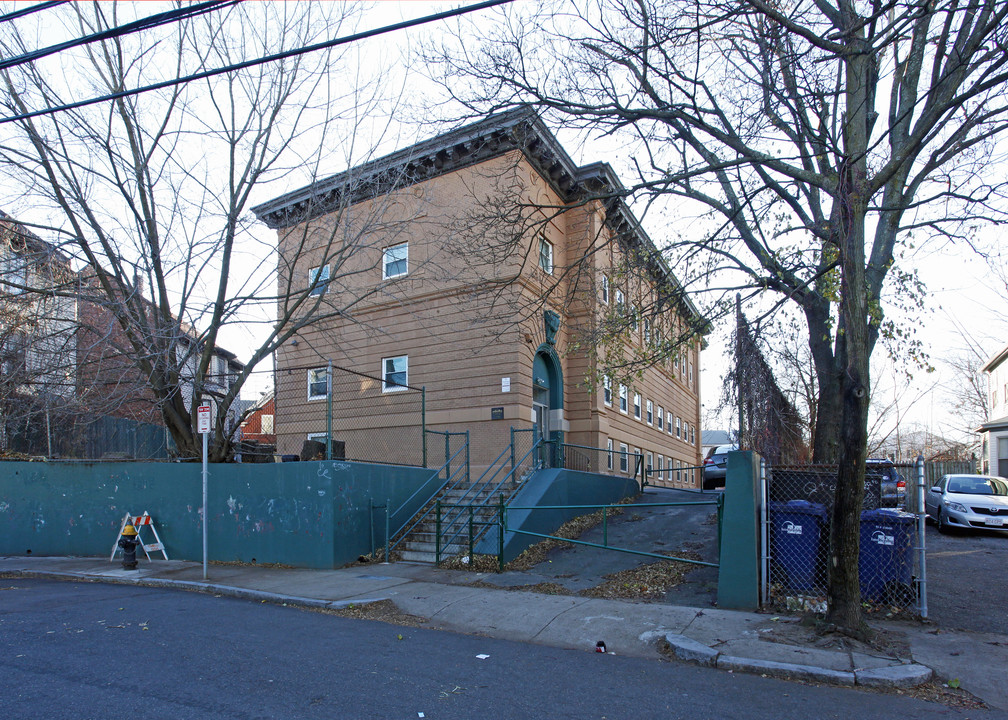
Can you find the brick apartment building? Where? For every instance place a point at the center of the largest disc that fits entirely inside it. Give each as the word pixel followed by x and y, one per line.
pixel 487 267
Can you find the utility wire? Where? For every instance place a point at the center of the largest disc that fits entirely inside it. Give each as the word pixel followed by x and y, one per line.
pixel 14 14
pixel 356 37
pixel 145 23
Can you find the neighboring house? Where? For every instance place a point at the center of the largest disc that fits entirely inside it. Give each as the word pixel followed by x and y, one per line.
pixel 494 337
pixel 258 424
pixel 68 384
pixel 713 438
pixel 994 454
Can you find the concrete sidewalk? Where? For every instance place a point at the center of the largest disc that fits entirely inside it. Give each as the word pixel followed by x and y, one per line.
pixel 460 602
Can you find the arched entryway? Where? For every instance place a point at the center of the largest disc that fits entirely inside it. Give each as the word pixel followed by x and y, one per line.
pixel 547 394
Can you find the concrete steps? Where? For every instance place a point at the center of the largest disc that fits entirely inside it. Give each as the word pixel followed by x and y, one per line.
pixel 421 544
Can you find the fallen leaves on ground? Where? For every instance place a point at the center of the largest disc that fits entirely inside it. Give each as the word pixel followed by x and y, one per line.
pixel 382 610
pixel 644 582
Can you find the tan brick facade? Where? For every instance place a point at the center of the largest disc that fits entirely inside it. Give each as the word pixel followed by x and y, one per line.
pixel 468 313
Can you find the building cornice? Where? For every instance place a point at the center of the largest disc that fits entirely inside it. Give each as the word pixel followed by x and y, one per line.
pixel 519 129
pixel 998 358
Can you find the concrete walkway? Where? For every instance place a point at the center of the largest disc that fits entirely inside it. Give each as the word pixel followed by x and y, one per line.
pixel 461 602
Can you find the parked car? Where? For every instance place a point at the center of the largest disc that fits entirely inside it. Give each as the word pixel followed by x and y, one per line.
pixel 968 501
pixel 892 485
pixel 716 465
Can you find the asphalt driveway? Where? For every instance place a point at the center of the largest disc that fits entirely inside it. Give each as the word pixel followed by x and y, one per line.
pixel 967 574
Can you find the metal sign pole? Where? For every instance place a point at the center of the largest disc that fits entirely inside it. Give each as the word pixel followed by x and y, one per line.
pixel 204 506
pixel 203 426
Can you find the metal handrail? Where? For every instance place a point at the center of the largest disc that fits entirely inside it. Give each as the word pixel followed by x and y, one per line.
pixel 605 537
pixel 510 476
pixel 403 531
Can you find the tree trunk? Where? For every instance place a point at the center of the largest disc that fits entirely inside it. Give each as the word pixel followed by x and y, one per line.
pixel 826 431
pixel 844 593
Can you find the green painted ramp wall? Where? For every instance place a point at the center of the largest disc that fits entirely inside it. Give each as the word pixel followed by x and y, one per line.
pixel 554 487
pixel 306 514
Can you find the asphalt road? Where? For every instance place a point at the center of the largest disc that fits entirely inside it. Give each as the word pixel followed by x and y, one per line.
pixel 72 650
pixel 966 579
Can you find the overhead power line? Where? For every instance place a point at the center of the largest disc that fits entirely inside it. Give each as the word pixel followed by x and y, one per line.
pixel 14 14
pixel 296 52
pixel 144 23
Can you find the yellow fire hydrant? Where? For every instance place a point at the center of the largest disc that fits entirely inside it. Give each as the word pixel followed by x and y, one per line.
pixel 128 542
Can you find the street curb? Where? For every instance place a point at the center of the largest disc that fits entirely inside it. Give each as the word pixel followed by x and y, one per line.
pixel 197 586
pixel 787 671
pixel 894 676
pixel 898 676
pixel 689 650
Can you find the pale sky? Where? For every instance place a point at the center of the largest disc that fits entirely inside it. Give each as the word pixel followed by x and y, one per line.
pixel 960 285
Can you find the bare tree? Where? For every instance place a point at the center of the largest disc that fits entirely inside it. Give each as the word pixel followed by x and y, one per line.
pixel 149 193
pixel 818 142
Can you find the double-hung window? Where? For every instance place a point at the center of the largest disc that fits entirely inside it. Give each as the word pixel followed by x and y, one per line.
pixel 637 406
pixel 395 261
pixel 624 458
pixel 623 398
pixel 318 279
pixel 545 255
pixel 609 454
pixel 395 373
pixel 660 417
pixel 607 390
pixel 318 383
pixel 678 428
pixel 668 422
pixel 605 289
pixel 650 413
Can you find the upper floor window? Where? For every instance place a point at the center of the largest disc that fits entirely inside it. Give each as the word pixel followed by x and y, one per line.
pixel 620 300
pixel 668 422
pixel 607 389
pixel 318 383
pixel 605 289
pixel 546 256
pixel 660 417
pixel 678 428
pixel 394 373
pixel 637 405
pixel 622 398
pixel 692 435
pixel 609 454
pixel 691 373
pixel 318 279
pixel 395 261
pixel 647 330
pixel 650 413
pixel 13 273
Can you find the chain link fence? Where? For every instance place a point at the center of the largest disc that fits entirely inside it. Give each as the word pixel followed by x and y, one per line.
pixel 330 412
pixel 798 518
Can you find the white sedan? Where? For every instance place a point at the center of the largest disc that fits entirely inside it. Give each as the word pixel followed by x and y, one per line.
pixel 968 501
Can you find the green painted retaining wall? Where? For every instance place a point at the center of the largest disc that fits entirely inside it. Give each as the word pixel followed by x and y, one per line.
pixel 554 487
pixel 306 514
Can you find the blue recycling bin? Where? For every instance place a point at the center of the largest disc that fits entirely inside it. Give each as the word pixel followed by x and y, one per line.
pixel 885 563
pixel 797 543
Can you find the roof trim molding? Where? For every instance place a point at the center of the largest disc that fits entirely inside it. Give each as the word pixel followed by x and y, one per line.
pixel 998 358
pixel 518 129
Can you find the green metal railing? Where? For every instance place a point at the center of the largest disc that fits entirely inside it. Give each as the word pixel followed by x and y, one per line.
pixel 686 477
pixel 584 458
pixel 452 479
pixel 504 508
pixel 488 485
